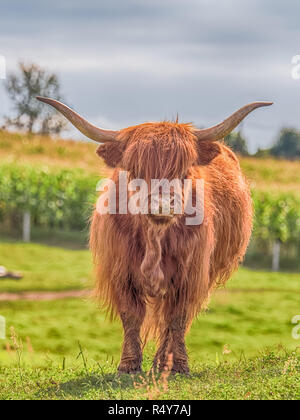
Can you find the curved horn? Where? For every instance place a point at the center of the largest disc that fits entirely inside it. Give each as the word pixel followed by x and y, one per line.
pixel 91 131
pixel 221 130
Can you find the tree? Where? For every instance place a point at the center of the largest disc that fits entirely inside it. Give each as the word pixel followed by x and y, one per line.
pixel 262 153
pixel 31 116
pixel 238 143
pixel 287 144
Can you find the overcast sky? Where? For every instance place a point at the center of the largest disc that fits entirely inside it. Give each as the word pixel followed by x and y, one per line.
pixel 125 62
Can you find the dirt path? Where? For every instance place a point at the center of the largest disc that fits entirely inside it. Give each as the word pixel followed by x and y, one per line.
pixel 40 296
pixel 5 297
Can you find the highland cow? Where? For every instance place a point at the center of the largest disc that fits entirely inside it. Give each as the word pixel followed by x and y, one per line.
pixel 153 270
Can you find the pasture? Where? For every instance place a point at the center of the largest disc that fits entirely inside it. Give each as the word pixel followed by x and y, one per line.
pixel 242 347
pixel 65 348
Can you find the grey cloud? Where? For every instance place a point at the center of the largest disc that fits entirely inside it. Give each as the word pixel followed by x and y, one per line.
pixel 127 62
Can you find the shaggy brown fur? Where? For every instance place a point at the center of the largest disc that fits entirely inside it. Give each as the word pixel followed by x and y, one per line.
pixel 157 277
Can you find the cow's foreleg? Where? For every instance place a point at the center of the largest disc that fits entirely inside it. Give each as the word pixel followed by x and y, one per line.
pixel 132 320
pixel 172 350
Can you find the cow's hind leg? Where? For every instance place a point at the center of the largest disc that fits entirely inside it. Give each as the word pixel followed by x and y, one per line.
pixel 172 352
pixel 132 317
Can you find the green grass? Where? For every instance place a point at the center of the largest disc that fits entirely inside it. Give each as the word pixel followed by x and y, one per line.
pixel 245 321
pixel 253 311
pixel 51 268
pixel 252 314
pixel 269 376
pixel 45 267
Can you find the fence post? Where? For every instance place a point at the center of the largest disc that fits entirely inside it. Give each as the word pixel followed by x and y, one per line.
pixel 26 226
pixel 276 256
pixel 2 328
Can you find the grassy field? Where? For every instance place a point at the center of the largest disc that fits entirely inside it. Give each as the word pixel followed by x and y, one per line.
pixel 241 348
pixel 235 348
pixel 45 267
pixel 270 376
pixel 264 174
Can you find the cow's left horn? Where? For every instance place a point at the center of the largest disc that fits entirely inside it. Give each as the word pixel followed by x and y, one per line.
pixel 221 130
pixel 91 131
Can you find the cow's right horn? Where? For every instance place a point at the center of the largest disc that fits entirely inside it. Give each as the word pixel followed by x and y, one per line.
pixel 221 130
pixel 91 131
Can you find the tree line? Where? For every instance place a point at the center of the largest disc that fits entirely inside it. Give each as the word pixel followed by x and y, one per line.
pixel 286 146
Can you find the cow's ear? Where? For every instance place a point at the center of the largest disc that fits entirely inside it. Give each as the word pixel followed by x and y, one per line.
pixel 112 153
pixel 207 151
